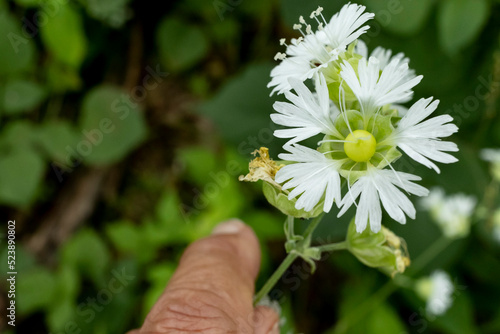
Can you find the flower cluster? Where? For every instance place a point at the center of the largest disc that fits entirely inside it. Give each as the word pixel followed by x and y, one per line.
pixel 355 112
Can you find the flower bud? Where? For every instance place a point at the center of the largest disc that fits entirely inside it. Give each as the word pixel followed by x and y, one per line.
pixel 383 250
pixel 277 198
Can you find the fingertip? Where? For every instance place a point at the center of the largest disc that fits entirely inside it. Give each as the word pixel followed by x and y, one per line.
pixel 266 320
pixel 232 242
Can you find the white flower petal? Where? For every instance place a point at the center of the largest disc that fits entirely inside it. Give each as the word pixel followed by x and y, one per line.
pixel 381 186
pixel 318 49
pixel 308 114
pixel 312 177
pixel 421 139
pixel 374 89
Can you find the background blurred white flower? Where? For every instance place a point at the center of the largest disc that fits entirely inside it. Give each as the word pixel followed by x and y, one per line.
pixel 493 156
pixel 437 291
pixel 452 213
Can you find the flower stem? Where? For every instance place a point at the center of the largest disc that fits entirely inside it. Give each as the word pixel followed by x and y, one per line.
pixel 310 229
pixel 333 247
pixel 429 254
pixel 275 277
pixel 292 256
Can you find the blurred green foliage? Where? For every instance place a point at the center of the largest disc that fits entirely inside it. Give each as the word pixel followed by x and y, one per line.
pixel 74 100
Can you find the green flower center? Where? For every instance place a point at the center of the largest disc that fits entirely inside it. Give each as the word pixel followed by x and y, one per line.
pixel 360 146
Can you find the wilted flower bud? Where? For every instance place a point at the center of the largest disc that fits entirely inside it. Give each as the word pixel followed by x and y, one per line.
pixel 383 250
pixel 264 168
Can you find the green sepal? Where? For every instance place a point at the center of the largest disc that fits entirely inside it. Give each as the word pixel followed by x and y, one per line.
pixel 280 201
pixel 370 249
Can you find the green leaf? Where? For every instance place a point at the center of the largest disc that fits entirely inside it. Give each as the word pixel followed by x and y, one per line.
pixel 158 277
pixel 402 17
pixel 131 239
pixel 241 110
pixel 61 77
pixel 64 36
pixel 112 125
pixel 18 135
pixel 385 320
pixel 55 137
pixel 198 163
pixel 21 96
pixel 181 45
pixel 18 49
pixel 21 174
pixel 60 314
pixel 35 290
pixel 87 253
pixel 460 22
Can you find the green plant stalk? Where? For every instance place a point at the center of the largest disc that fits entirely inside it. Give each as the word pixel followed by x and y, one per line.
pixel 271 282
pixel 387 289
pixel 333 247
pixel 429 254
pixel 292 256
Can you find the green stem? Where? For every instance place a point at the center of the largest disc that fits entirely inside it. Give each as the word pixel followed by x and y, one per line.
pixel 429 254
pixel 292 256
pixel 376 299
pixel 386 290
pixel 275 277
pixel 333 247
pixel 310 229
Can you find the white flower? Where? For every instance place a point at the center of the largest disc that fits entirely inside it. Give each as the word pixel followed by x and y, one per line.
pixel 420 139
pixel 452 214
pixel 496 225
pixel 384 56
pixel 312 177
pixel 437 290
pixel 308 115
pixel 492 156
pixel 382 186
pixel 374 89
pixel 308 55
pixel 354 106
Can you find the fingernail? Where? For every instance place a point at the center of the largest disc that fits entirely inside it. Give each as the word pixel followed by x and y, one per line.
pixel 275 329
pixel 233 226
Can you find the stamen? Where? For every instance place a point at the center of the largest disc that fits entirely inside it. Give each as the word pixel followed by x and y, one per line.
pixel 301 20
pixel 280 56
pixel 308 29
pixel 283 42
pixel 395 173
pixel 336 141
pixel 349 185
pixel 343 110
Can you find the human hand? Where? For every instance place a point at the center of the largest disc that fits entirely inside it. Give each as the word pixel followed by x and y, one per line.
pixel 212 290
